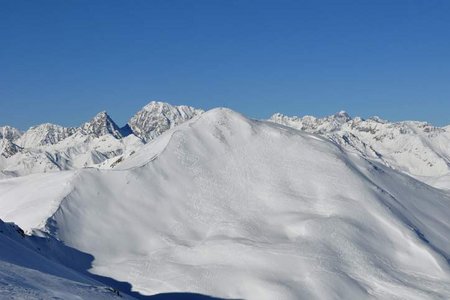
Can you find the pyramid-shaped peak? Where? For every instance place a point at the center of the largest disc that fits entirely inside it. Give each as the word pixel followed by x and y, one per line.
pixel 102 115
pixel 8 148
pixel 101 124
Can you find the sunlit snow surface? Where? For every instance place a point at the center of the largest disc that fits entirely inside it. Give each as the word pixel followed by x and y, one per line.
pixel 229 207
pixel 416 148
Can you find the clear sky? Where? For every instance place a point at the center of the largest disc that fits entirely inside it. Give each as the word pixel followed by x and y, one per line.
pixel 62 61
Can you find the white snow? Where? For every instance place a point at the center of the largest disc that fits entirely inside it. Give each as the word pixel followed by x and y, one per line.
pixel 30 200
pixel 236 208
pixel 25 272
pixel 97 143
pixel 416 148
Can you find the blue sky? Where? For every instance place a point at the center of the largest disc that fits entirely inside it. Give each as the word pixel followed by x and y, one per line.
pixel 63 61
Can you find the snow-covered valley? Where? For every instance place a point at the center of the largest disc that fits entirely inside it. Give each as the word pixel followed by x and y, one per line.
pixel 214 203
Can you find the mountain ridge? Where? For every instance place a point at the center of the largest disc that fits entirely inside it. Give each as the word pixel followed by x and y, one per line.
pixel 50 147
pixel 416 148
pixel 223 199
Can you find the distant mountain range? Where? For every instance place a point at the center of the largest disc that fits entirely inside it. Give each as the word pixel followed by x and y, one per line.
pixel 416 148
pixel 50 147
pixel 214 203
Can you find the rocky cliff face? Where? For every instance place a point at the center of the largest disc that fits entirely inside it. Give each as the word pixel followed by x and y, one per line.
pixel 9 133
pixel 44 134
pixel 156 117
pixel 101 124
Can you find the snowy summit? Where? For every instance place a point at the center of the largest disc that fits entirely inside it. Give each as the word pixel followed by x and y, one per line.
pixel 180 200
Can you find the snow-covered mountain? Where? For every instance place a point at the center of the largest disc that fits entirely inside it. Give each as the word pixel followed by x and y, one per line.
pixel 45 134
pixel 236 208
pixel 416 148
pixel 100 125
pixel 9 133
pixel 97 143
pixel 156 117
pixel 8 148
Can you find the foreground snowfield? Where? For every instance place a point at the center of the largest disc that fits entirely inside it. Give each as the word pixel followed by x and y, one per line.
pixel 235 208
pixel 26 273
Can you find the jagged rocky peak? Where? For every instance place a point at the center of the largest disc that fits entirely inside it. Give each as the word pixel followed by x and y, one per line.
pixel 313 124
pixel 342 116
pixel 44 134
pixel 101 124
pixel 156 117
pixel 9 133
pixel 8 148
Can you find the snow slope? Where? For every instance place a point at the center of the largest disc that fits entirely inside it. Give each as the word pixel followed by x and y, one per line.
pixel 30 200
pixel 25 273
pixel 236 208
pixel 416 148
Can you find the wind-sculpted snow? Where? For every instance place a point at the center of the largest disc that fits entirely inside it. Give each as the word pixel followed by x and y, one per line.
pixel 236 208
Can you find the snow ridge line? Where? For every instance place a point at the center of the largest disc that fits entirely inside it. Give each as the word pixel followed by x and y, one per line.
pixel 394 212
pixel 48 225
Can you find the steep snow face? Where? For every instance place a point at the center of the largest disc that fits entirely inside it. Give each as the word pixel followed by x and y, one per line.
pixel 31 200
pixel 101 124
pixel 156 117
pixel 230 207
pixel 416 148
pixel 25 273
